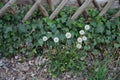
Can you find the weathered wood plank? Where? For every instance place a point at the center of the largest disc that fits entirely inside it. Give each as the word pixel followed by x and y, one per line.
pixel 11 9
pixel 85 14
pixel 107 6
pixel 30 12
pixel 57 10
pixel 51 5
pixel 95 3
pixel 116 15
pixel 7 6
pixel 43 10
pixel 81 9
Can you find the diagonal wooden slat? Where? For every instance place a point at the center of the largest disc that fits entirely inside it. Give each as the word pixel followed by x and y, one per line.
pixel 116 15
pixel 7 6
pixel 30 12
pixel 81 9
pixel 57 10
pixel 51 5
pixel 42 9
pixel 85 14
pixel 96 5
pixel 107 6
pixel 11 9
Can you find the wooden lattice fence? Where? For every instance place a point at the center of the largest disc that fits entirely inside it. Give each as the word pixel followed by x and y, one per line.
pixel 55 11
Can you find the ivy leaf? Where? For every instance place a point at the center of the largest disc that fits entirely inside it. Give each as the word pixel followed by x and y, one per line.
pixel 8 29
pixel 116 45
pixel 95 52
pixel 108 32
pixel 93 24
pixel 40 25
pixel 34 26
pixel 108 24
pixel 27 22
pixel 87 48
pixel 62 37
pixel 22 28
pixel 40 41
pixel 100 29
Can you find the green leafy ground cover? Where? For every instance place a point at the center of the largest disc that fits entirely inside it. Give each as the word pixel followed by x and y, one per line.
pixel 42 36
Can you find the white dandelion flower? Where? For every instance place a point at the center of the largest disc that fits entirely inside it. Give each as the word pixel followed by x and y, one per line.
pixel 79 46
pixel 79 39
pixel 84 38
pixel 68 35
pixel 82 32
pixel 56 39
pixel 87 27
pixel 45 38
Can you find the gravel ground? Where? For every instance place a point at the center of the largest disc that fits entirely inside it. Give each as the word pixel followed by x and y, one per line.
pixel 20 68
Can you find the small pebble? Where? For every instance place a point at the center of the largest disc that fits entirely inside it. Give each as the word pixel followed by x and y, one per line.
pixel 45 70
pixel 1 63
pixel 32 74
pixel 115 69
pixel 16 57
pixel 82 58
pixel 30 63
pixel 68 76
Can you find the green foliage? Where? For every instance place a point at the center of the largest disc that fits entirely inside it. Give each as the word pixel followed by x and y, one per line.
pixel 105 32
pixel 27 38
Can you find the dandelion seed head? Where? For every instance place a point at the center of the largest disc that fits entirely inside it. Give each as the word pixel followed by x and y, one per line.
pixel 82 32
pixel 87 27
pixel 45 38
pixel 79 39
pixel 68 35
pixel 56 39
pixel 84 38
pixel 79 46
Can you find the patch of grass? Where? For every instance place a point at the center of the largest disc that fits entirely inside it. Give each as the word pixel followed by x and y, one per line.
pixel 64 60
